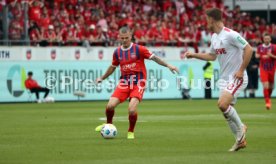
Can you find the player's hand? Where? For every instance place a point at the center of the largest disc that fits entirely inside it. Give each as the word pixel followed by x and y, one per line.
pixel 173 69
pixel 238 75
pixel 189 54
pixel 99 80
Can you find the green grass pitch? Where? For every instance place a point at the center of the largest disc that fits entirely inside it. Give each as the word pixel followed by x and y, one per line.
pixel 168 131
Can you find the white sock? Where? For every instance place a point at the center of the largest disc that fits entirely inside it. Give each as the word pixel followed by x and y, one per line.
pixel 233 127
pixel 234 121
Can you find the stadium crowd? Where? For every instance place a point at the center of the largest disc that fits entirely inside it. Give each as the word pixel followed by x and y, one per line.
pixel 154 22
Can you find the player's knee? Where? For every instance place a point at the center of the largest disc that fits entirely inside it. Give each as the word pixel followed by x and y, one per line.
pixel 131 111
pixel 110 106
pixel 222 106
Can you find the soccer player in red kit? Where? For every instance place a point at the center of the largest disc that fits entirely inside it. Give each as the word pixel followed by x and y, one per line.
pixel 266 53
pixel 130 57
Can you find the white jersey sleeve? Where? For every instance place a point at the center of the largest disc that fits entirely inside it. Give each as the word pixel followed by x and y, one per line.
pixel 237 40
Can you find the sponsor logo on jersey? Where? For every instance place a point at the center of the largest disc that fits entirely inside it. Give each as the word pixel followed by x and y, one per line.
pixel 220 51
pixel 128 66
pixel 242 41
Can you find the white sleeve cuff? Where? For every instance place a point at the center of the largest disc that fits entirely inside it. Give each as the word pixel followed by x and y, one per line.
pixel 113 66
pixel 151 56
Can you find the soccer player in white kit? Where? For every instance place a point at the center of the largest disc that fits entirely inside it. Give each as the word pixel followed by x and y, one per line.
pixel 234 54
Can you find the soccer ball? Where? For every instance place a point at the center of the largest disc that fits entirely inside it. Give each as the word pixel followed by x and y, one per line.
pixel 49 100
pixel 109 131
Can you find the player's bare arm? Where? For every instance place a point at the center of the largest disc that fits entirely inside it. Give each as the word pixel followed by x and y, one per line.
pixel 159 61
pixel 271 55
pixel 248 51
pixel 201 56
pixel 108 72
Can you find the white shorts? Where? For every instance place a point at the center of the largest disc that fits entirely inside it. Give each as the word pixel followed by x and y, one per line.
pixel 234 87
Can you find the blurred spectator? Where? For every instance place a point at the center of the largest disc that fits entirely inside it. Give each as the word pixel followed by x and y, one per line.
pixel 189 37
pixel 102 36
pixel 113 36
pixel 208 75
pixel 16 10
pixel 34 87
pixel 34 33
pixel 59 31
pixel 49 35
pixel 253 76
pixel 70 34
pixel 152 21
pixel 16 28
pixel 44 21
pixel 139 34
pixel 35 9
pixel 91 34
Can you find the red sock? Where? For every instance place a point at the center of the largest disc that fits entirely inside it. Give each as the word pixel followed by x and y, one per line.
pixel 266 95
pixel 270 92
pixel 109 116
pixel 132 121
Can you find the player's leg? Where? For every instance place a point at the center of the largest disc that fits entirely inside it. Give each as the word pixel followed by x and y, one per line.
pixel 132 116
pixel 229 112
pixel 265 81
pixel 36 94
pixel 271 82
pixel 136 95
pixel 110 109
pixel 270 90
pixel 233 120
pixel 266 94
pixel 271 87
pixel 109 112
pixel 120 94
pixel 227 99
pixel 46 90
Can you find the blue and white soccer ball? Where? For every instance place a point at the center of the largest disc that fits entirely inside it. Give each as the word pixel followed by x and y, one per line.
pixel 109 131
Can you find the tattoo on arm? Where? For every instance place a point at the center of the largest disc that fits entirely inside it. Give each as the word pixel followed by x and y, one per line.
pixel 158 60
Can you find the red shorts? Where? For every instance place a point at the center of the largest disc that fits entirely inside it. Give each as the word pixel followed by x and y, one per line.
pixel 122 92
pixel 267 76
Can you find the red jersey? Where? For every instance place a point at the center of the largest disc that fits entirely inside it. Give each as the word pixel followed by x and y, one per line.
pixel 35 13
pixel 131 61
pixel 267 64
pixel 31 84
